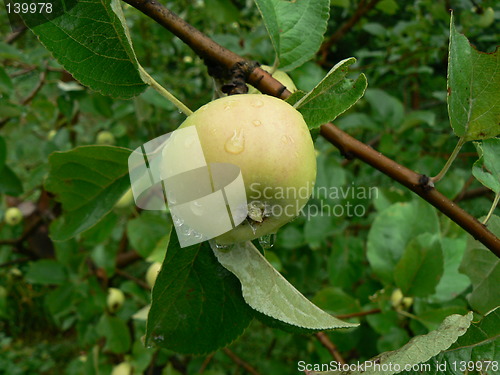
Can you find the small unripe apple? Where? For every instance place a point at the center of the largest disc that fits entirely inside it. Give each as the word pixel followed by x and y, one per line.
pixel 123 368
pixel 13 216
pixel 280 76
pixel 115 299
pixel 399 301
pixel 152 273
pixel 270 142
pixel 105 138
pixel 51 134
pixel 126 200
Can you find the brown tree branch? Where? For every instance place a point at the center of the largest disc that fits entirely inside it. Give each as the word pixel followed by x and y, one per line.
pixel 350 147
pixel 330 346
pixel 358 314
pixel 248 368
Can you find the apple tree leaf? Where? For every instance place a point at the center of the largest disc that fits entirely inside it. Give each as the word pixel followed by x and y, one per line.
pixel 473 87
pixel 476 352
pixel 87 181
pixel 334 95
pixel 91 41
pixel 419 349
pixel 487 168
pixel 289 26
pixel 270 294
pixel 197 305
pixel 391 232
pixel 421 266
pixel 483 269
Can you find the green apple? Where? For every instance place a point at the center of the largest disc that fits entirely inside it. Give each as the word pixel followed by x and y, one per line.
pixel 51 134
pixel 399 301
pixel 115 299
pixel 279 75
pixel 126 200
pixel 123 368
pixel 152 273
pixel 105 138
pixel 270 142
pixel 13 216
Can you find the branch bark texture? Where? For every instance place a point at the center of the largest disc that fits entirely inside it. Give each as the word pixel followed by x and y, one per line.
pixel 349 146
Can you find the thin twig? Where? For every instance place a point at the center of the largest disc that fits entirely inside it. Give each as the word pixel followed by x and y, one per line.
pixel 133 278
pixel 358 314
pixel 205 363
pixel 12 37
pixel 349 146
pixel 330 346
pixel 240 362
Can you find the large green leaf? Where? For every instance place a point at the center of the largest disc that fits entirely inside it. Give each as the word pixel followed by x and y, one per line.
pixel 417 350
pixel 332 96
pixel 391 231
pixel 296 28
pixel 420 267
pixel 474 353
pixel 88 181
pixel 483 269
pixel 9 182
pixel 91 41
pixel 116 332
pixel 197 304
pixel 487 168
pixel 473 87
pixel 452 282
pixel 270 294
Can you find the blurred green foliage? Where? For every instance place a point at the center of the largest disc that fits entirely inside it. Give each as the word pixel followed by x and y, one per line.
pixel 53 315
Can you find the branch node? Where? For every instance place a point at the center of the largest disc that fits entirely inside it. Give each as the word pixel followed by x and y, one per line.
pixel 425 183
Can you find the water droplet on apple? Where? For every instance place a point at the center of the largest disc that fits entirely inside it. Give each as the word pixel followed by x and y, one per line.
pixel 221 247
pixel 177 220
pixel 236 143
pixel 286 139
pixel 256 123
pixel 258 103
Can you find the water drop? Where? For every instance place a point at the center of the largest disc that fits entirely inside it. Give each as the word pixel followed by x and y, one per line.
pixel 197 208
pixel 256 123
pixel 258 103
pixel 186 231
pixel 177 221
pixel 253 225
pixel 287 139
pixel 221 247
pixel 236 143
pixel 229 105
pixel 267 241
pixel 158 338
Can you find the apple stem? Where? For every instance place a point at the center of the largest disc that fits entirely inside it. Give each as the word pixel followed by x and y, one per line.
pixel 450 161
pixel 164 92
